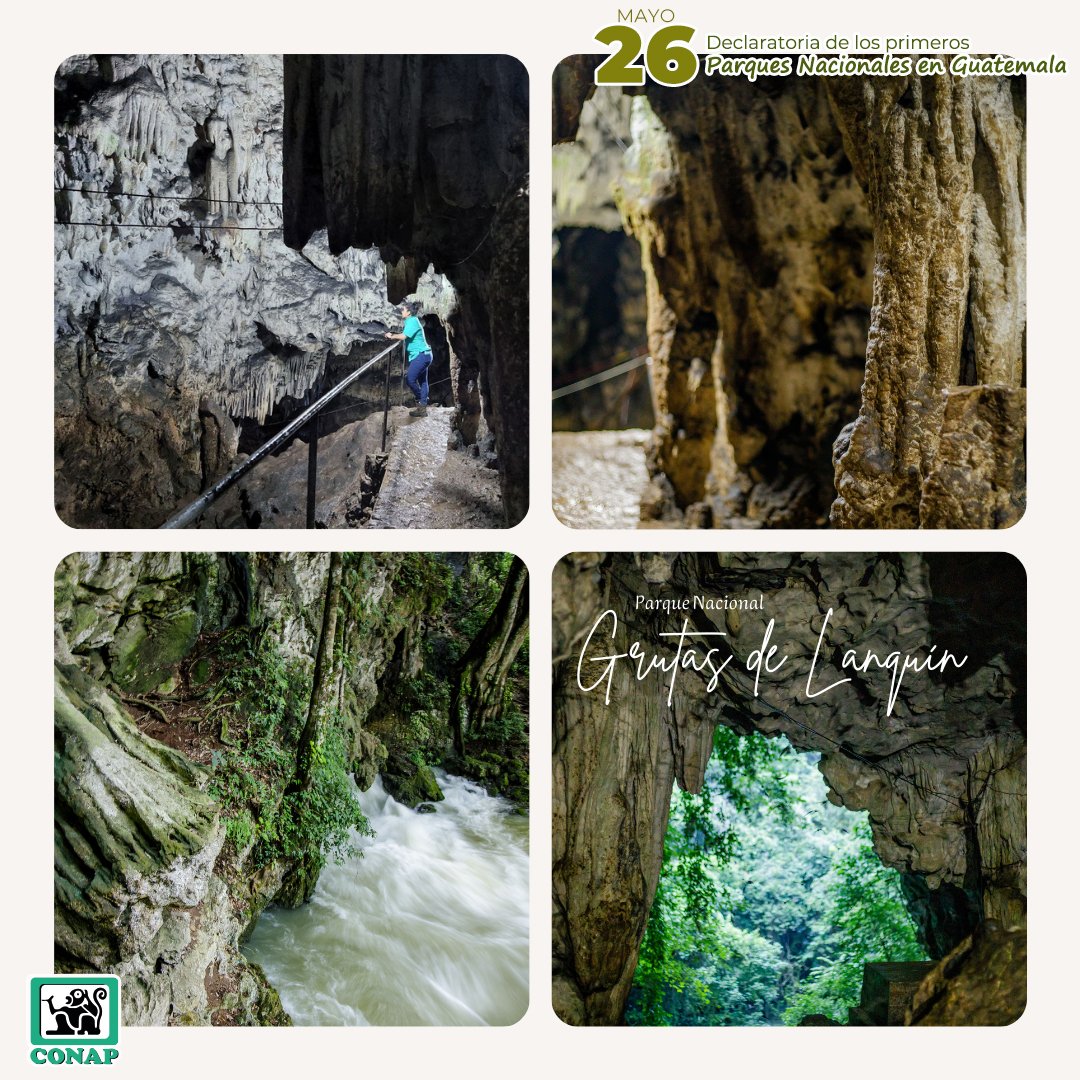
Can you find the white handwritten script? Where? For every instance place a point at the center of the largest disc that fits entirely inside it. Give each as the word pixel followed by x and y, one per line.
pixel 704 653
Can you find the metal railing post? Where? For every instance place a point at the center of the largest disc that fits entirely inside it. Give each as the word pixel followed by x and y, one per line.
pixel 402 387
pixel 386 403
pixel 312 469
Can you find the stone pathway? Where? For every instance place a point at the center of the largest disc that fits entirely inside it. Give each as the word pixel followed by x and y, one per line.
pixel 597 478
pixel 426 486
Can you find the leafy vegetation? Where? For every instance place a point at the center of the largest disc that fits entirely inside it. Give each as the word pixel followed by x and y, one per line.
pixel 476 591
pixel 264 701
pixel 770 899
pixel 260 705
pixel 865 919
pixel 425 575
pixel 422 730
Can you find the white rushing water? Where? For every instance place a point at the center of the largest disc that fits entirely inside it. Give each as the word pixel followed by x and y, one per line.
pixel 431 926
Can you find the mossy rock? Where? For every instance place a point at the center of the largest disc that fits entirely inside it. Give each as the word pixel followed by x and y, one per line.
pixel 299 883
pixel 369 758
pixel 270 1011
pixel 505 776
pixel 410 783
pixel 145 652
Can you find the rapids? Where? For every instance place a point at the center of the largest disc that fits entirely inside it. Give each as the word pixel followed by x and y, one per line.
pixel 429 927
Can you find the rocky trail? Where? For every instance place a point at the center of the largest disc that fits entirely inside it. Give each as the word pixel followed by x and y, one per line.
pixel 426 486
pixel 597 478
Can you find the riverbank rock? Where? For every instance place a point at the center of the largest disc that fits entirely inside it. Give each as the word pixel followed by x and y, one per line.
pixel 410 782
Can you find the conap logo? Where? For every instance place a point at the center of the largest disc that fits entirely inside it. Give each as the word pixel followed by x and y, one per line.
pixel 74 1019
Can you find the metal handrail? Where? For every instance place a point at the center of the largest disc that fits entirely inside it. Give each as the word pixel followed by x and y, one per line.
pixel 192 511
pixel 601 376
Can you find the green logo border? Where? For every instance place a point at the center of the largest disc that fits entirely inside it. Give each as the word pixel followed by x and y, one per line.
pixel 111 981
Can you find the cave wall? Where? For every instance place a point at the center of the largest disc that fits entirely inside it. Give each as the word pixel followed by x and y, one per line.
pixel 426 157
pixel 757 252
pixel 942 778
pixel 598 320
pixel 597 285
pixel 939 440
pixel 835 285
pixel 176 318
pixel 145 885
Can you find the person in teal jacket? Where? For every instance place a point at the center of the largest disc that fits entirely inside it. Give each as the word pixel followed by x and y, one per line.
pixel 417 354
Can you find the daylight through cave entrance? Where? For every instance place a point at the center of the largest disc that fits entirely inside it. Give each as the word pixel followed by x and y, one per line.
pixel 936 762
pixel 771 901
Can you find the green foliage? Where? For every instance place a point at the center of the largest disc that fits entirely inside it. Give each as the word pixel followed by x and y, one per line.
pixel 319 818
pixel 411 717
pixel 677 980
pixel 420 729
pixel 511 725
pixel 264 701
pixel 427 575
pixel 770 898
pixel 865 920
pixel 475 593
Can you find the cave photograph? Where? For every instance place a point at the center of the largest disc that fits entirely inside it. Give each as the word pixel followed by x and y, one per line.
pixel 293 789
pixel 291 291
pixel 789 789
pixel 795 302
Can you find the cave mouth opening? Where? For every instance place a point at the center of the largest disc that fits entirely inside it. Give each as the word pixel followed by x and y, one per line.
pixel 771 899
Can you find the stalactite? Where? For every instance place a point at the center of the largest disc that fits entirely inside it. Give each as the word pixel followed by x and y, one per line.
pixel 187 305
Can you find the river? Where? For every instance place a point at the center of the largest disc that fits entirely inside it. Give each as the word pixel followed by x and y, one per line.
pixel 430 926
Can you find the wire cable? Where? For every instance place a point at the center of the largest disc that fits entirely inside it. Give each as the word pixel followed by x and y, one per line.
pixel 171 198
pixel 603 376
pixel 176 225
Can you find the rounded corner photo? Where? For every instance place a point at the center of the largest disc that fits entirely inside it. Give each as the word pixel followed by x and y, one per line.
pixel 291 291
pixel 789 789
pixel 292 789
pixel 777 304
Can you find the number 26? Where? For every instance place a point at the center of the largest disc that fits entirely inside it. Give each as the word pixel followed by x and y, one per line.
pixel 668 59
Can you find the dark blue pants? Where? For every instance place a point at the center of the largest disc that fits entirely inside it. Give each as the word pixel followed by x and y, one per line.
pixel 416 377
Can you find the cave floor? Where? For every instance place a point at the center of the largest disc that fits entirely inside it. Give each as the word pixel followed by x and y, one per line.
pixel 597 478
pixel 427 486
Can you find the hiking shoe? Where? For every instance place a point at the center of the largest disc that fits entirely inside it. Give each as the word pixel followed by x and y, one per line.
pixel 420 410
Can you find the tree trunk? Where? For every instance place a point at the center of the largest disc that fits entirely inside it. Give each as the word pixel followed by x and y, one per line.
pixel 322 682
pixel 480 679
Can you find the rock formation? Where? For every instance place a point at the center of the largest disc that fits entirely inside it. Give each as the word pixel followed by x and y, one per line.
pixel 597 284
pixel 436 174
pixel 942 163
pixel 160 872
pixel 829 263
pixel 184 322
pixel 942 777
